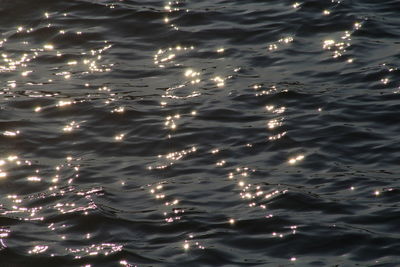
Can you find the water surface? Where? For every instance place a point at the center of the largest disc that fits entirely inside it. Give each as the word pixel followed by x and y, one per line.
pixel 202 133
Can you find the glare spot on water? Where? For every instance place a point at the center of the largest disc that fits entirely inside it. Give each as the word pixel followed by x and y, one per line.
pixel 220 82
pixel 48 47
pixel 357 25
pixel 38 249
pixel 286 40
pixel 104 249
pixel 118 110
pixel 328 43
pixel 125 263
pixel 277 136
pixel 214 151
pixel 296 159
pixel 190 73
pixel 274 123
pixel 71 126
pixel 11 133
pixel 26 73
pixel 296 5
pixel 34 179
pixel 12 158
pixel 62 103
pixel 186 245
pixel 119 137
pixel 221 163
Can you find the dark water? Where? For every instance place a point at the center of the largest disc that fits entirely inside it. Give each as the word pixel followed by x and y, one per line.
pixel 199 133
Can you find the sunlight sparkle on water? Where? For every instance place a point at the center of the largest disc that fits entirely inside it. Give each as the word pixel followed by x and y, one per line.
pixel 119 137
pixel 62 103
pixel 186 246
pixel 71 126
pixel 357 25
pixel 118 110
pixel 11 133
pixel 34 179
pixel 12 158
pixel 219 81
pixel 26 73
pixel 296 5
pixel 48 47
pixel 296 159
pixel 38 249
pixel 125 263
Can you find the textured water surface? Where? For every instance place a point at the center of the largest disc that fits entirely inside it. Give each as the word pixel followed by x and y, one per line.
pixel 199 133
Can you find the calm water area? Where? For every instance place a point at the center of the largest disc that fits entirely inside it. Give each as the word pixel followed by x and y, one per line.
pixel 199 133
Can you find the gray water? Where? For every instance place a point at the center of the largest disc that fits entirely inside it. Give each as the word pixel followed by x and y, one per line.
pixel 199 133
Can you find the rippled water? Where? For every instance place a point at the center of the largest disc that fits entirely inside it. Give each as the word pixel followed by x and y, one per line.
pixel 199 133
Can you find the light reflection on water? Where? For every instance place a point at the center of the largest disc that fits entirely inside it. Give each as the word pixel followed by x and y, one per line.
pixel 87 62
pixel 195 141
pixel 75 66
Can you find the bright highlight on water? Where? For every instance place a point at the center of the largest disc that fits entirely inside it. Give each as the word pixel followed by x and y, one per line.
pixel 199 133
